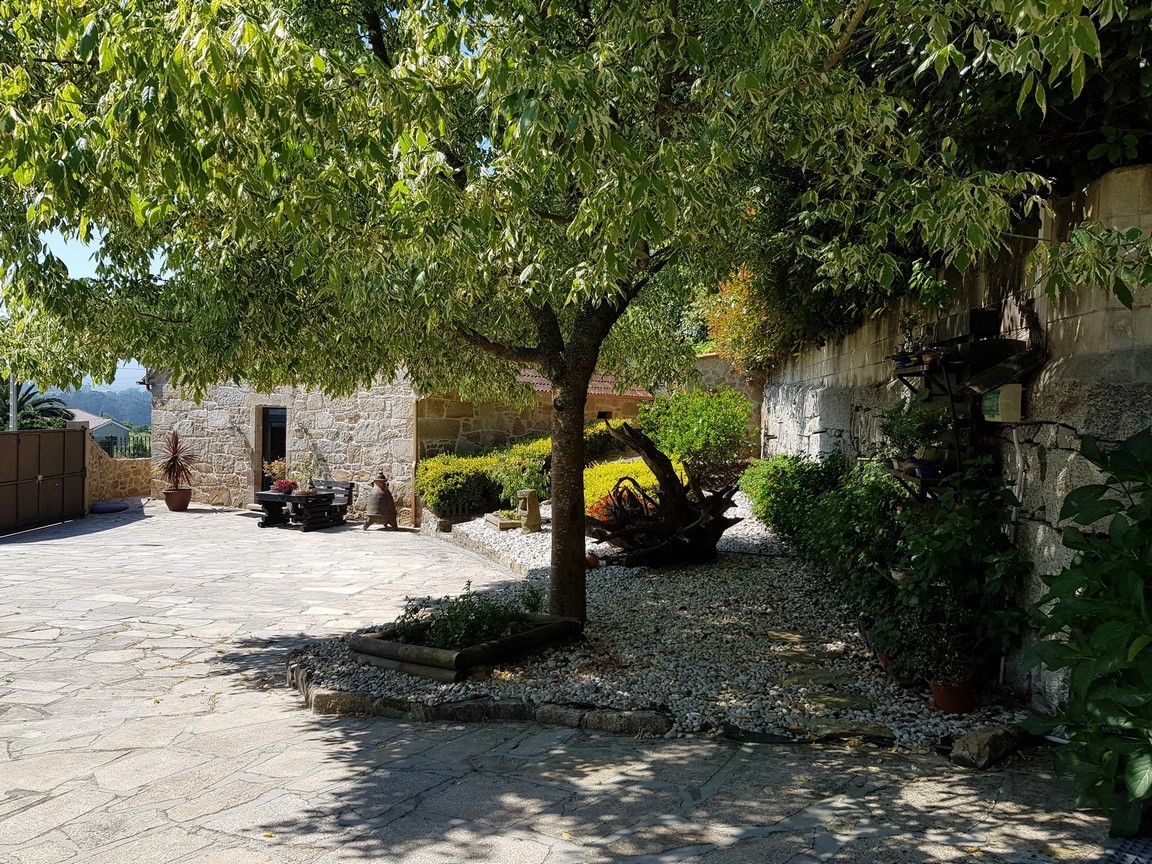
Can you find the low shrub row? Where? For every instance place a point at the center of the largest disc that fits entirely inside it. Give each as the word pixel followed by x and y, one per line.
pixel 468 483
pixel 934 581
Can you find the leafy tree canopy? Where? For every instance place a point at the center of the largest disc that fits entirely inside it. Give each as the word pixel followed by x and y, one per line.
pixel 461 188
pixel 378 183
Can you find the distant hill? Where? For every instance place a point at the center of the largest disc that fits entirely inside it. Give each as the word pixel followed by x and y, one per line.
pixel 133 405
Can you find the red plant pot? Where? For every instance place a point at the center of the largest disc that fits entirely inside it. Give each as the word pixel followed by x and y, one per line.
pixel 178 499
pixel 954 698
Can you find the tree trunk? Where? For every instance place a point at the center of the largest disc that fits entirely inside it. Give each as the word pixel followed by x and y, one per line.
pixel 567 594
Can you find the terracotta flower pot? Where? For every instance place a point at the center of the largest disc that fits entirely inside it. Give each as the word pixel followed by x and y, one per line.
pixel 954 698
pixel 178 499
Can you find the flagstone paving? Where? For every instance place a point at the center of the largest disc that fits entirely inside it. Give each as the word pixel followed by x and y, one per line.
pixel 143 718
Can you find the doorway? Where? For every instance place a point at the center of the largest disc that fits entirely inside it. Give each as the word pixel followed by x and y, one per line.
pixel 273 440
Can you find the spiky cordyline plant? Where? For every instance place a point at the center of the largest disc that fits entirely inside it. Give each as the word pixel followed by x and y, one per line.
pixel 177 462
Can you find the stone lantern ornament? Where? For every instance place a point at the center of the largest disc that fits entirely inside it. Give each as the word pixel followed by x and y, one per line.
pixel 379 504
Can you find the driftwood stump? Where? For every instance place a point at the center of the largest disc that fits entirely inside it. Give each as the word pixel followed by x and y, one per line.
pixel 682 524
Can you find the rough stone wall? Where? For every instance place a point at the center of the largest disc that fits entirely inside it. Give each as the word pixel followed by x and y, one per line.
pixel 447 425
pixel 359 435
pixel 715 372
pixel 1097 381
pixel 110 478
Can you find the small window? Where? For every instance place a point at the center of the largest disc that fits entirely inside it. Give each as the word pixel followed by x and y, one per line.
pixel 603 415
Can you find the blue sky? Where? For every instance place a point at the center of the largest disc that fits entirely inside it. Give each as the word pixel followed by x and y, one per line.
pixel 77 257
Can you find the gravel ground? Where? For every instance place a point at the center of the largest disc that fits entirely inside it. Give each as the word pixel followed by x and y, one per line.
pixel 709 644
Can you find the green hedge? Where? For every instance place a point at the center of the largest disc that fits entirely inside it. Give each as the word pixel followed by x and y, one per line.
pixel 481 481
pixel 449 482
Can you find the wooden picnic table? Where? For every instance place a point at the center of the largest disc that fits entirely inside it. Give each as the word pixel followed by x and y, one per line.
pixel 304 512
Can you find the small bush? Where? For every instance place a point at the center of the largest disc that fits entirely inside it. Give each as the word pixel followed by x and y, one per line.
pixel 706 430
pixel 853 531
pixel 513 471
pixel 599 443
pixel 449 482
pixel 784 488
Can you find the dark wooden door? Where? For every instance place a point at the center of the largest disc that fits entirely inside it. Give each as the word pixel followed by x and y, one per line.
pixel 41 477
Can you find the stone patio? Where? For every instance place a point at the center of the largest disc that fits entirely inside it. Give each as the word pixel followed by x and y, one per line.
pixel 143 717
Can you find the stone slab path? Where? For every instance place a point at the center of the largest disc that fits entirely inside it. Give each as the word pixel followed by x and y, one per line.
pixel 143 718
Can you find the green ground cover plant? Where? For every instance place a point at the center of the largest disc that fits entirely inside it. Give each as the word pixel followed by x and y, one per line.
pixel 455 623
pixel 1097 616
pixel 952 608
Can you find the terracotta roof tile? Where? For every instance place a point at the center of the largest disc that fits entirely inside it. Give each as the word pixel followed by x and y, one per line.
pixel 600 385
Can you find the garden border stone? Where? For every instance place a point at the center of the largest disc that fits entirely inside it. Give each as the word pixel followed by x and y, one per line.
pixel 323 700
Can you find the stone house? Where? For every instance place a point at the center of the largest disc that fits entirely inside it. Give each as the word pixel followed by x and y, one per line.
pixel 388 428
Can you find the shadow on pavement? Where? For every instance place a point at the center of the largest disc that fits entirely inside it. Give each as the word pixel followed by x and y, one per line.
pixel 91 524
pixel 416 792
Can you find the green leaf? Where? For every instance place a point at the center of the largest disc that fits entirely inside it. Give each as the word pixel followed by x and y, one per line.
pixel 1084 35
pixel 1081 499
pixel 1127 815
pixel 1098 152
pixel 89 39
pixel 1025 89
pixel 1123 292
pixel 1091 451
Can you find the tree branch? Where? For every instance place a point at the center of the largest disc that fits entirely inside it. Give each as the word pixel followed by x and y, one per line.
pixel 376 36
pixel 59 61
pixel 846 37
pixel 549 335
pixel 595 322
pixel 558 218
pixel 183 322
pixel 512 353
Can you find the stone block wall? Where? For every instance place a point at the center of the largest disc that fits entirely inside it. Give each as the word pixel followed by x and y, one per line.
pixel 1097 381
pixel 358 435
pixel 109 478
pixel 447 425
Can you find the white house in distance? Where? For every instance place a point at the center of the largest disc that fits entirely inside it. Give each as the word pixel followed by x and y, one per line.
pixel 102 428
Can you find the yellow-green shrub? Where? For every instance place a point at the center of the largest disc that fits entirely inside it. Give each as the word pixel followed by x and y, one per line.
pixel 599 480
pixel 451 482
pixel 479 481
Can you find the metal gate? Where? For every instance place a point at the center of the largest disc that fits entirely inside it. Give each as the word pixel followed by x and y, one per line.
pixel 41 477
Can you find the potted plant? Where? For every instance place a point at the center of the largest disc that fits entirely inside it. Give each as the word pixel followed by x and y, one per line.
pixel 310 468
pixel 909 426
pixel 955 611
pixel 908 354
pixel 175 468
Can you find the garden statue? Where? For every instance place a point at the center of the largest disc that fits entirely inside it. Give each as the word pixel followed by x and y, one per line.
pixel 379 504
pixel 528 510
